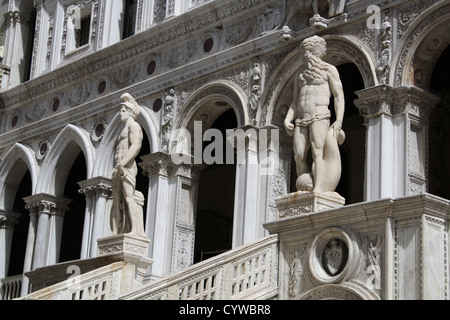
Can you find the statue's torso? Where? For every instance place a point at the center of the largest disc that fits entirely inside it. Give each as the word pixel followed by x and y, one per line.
pixel 314 96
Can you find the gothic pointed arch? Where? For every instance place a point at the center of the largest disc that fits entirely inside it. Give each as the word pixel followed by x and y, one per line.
pixel 17 161
pixel 340 50
pixel 423 36
pixel 104 162
pixel 60 157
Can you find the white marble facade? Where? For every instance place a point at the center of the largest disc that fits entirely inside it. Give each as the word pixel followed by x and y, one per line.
pixel 191 61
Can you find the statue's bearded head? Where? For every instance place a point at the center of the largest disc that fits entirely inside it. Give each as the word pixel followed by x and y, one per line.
pixel 313 49
pixel 314 46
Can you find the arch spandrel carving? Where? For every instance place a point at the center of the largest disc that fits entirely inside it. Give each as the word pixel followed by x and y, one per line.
pixel 340 50
pixel 418 50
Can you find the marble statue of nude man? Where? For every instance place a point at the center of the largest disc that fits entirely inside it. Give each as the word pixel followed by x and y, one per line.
pixel 126 215
pixel 314 85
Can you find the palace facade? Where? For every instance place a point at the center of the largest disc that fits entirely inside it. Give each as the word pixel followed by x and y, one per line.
pixel 216 230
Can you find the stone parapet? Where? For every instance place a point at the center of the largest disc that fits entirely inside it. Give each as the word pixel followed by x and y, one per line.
pixel 303 202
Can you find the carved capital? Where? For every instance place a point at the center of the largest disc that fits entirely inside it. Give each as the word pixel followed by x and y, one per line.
pixel 48 204
pixel 156 164
pixel 161 163
pixel 95 187
pixel 17 17
pixel 8 219
pixel 244 138
pixel 384 99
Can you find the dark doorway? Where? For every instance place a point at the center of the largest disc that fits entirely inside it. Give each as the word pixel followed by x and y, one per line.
pixel 142 182
pixel 439 129
pixel 72 233
pixel 20 234
pixel 215 201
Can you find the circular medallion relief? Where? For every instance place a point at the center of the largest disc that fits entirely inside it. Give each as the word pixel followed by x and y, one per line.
pixel 157 105
pixel 42 149
pixel 332 256
pixel 208 45
pixel 101 87
pixel 14 120
pixel 151 67
pixel 98 130
pixel 55 104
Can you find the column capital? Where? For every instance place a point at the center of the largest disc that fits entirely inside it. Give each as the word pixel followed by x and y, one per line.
pixel 390 101
pixel 96 186
pixel 162 164
pixel 8 219
pixel 14 16
pixel 46 203
pixel 244 138
pixel 157 163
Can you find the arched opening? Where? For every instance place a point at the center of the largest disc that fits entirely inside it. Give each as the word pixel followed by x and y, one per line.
pixel 20 233
pixel 29 46
pixel 215 201
pixel 439 129
pixel 353 151
pixel 142 182
pixel 351 184
pixel 72 232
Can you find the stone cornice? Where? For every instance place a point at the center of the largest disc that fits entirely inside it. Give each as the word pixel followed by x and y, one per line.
pixel 158 37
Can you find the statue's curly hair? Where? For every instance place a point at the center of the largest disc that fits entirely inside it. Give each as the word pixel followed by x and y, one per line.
pixel 313 67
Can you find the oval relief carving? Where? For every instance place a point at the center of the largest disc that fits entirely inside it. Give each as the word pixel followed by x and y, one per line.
pixel 333 256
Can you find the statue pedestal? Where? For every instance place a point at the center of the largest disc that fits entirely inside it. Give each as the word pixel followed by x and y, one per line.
pixel 128 248
pixel 304 202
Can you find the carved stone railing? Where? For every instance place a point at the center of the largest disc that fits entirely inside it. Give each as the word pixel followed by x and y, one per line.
pixel 101 284
pixel 10 287
pixel 248 272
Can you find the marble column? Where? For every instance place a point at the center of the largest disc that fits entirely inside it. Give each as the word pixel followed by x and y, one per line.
pixel 96 221
pixel 396 140
pixel 160 212
pixel 246 197
pixel 16 36
pixel 257 151
pixel 184 179
pixel 49 227
pixel 31 239
pixel 170 212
